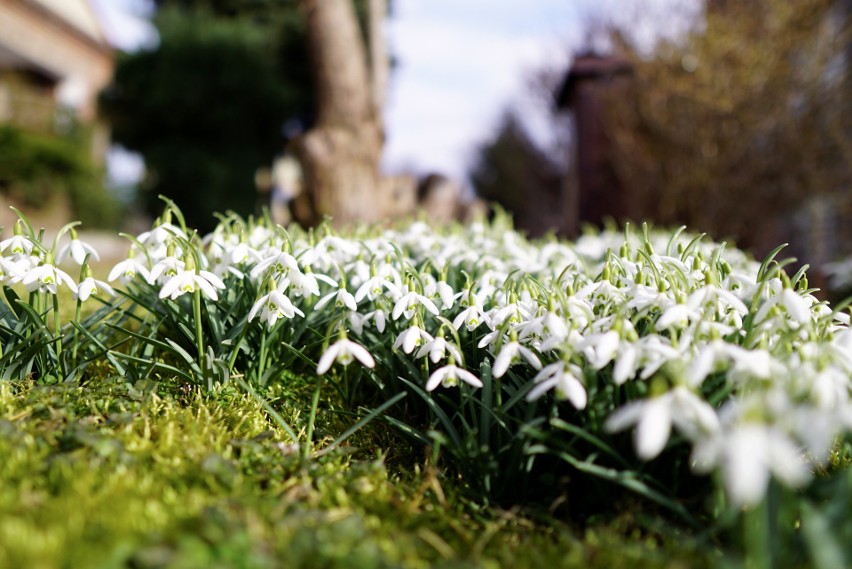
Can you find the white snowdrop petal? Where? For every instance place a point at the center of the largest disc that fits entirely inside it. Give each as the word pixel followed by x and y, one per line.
pixel 654 427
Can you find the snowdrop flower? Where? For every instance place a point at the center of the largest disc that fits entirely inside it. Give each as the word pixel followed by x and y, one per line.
pixel 489 339
pixel 709 357
pixel 600 349
pixel 90 286
pixel 644 297
pixel 721 299
pixel 157 239
pixel 18 244
pixel 751 363
pixel 511 353
pixel 166 268
pixel 77 249
pixel 676 316
pixel 829 388
pixel 373 288
pixel 654 418
pixel 128 269
pixel 188 281
pixel 357 322
pixel 472 316
pixel 626 363
pixel 438 349
pixel 563 379
pixel 307 283
pixel 242 253
pixel 379 317
pixel 747 454
pixel 548 326
pixel 513 313
pixel 163 232
pixel 797 307
pixel 273 306
pixel 654 352
pixel 411 338
pixel 277 263
pixel 443 291
pixel 341 296
pixel 11 271
pixel 408 302
pixel 46 278
pixel 449 376
pixel 344 352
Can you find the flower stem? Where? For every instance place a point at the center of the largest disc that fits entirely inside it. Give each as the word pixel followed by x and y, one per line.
pixel 261 365
pixel 76 334
pixel 199 338
pixel 757 522
pixel 57 331
pixel 307 447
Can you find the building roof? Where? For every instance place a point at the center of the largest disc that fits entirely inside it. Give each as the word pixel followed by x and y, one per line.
pixel 77 13
pixel 590 66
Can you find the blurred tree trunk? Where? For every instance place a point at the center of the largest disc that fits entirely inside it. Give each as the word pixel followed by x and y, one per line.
pixel 340 155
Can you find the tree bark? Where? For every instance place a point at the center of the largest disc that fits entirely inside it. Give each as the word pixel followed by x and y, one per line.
pixel 379 60
pixel 340 156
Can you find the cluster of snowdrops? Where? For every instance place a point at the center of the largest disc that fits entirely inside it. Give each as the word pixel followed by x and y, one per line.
pixel 692 340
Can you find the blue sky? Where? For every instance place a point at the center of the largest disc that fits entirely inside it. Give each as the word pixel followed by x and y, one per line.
pixel 462 62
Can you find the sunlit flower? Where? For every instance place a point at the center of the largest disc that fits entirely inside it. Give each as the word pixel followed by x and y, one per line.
pixel 342 298
pixel 654 418
pixel 128 269
pixel 190 281
pixel 600 349
pixel 472 317
pixel 46 278
pixel 408 302
pixel 443 291
pixel 564 379
pixel 165 269
pixel 307 283
pixel 449 376
pixel 77 250
pixel 11 271
pixel 18 244
pixel 748 454
pixel 92 287
pixel 438 349
pixel 410 338
pixel 374 287
pixel 279 262
pixel 344 352
pixel 512 353
pixel 272 306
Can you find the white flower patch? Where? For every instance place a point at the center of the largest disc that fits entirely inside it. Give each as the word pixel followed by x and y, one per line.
pixel 608 316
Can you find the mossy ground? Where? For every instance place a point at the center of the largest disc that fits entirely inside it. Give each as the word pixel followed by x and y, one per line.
pixel 156 474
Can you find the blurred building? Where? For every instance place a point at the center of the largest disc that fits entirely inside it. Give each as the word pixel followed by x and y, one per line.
pixel 816 216
pixel 596 193
pixel 54 60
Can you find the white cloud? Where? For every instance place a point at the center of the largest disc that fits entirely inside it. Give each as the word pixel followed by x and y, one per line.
pixel 124 168
pixel 460 64
pixel 126 23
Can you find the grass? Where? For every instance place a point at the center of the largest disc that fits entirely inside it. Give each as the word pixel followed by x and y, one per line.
pixel 151 475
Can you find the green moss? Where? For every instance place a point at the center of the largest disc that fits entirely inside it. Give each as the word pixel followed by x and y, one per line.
pixel 156 475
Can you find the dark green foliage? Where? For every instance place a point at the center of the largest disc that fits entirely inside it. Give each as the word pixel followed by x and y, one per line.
pixel 36 167
pixel 206 108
